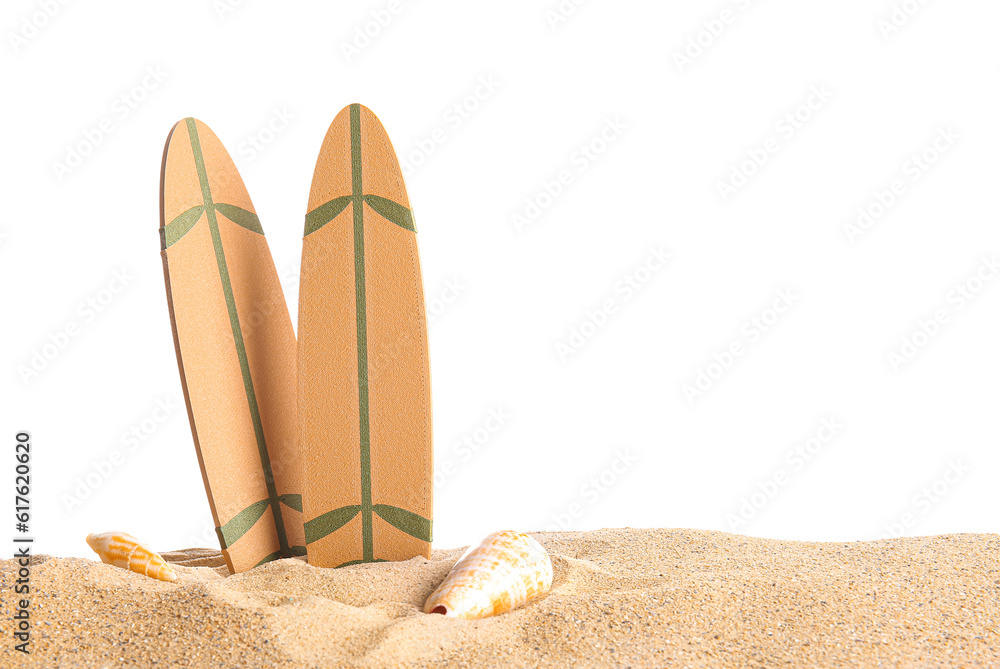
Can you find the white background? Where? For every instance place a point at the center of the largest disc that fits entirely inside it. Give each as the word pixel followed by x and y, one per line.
pixel 523 291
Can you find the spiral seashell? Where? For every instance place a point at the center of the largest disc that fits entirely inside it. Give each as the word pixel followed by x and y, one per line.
pixel 125 551
pixel 506 570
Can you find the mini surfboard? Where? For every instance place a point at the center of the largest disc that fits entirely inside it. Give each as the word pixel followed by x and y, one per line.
pixel 364 376
pixel 235 349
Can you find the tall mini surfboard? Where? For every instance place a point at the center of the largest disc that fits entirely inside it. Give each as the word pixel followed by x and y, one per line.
pixel 364 376
pixel 235 349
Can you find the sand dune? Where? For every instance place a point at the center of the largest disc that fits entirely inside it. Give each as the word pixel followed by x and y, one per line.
pixel 639 598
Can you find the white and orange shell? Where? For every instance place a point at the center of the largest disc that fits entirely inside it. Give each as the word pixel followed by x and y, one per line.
pixel 125 551
pixel 506 570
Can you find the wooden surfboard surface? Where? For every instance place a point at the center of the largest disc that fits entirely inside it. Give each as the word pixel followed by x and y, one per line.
pixel 364 375
pixel 235 349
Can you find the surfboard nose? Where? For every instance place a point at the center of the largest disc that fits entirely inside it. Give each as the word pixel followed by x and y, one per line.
pixel 357 139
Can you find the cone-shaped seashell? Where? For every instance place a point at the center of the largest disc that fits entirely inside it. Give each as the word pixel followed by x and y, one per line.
pixel 505 571
pixel 125 551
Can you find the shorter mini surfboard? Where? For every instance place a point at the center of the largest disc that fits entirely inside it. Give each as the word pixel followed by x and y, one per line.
pixel 364 376
pixel 235 349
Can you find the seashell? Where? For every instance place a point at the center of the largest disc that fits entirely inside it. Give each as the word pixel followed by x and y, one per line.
pixel 506 570
pixel 125 551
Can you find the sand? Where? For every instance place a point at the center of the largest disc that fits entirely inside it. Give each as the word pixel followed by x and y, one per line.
pixel 631 598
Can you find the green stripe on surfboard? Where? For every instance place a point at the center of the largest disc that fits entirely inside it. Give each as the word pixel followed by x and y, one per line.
pixel 330 522
pixel 388 209
pixel 367 548
pixel 292 501
pixel 171 233
pixel 241 217
pixel 392 211
pixel 241 352
pixel 411 523
pixel 325 213
pixel 241 523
